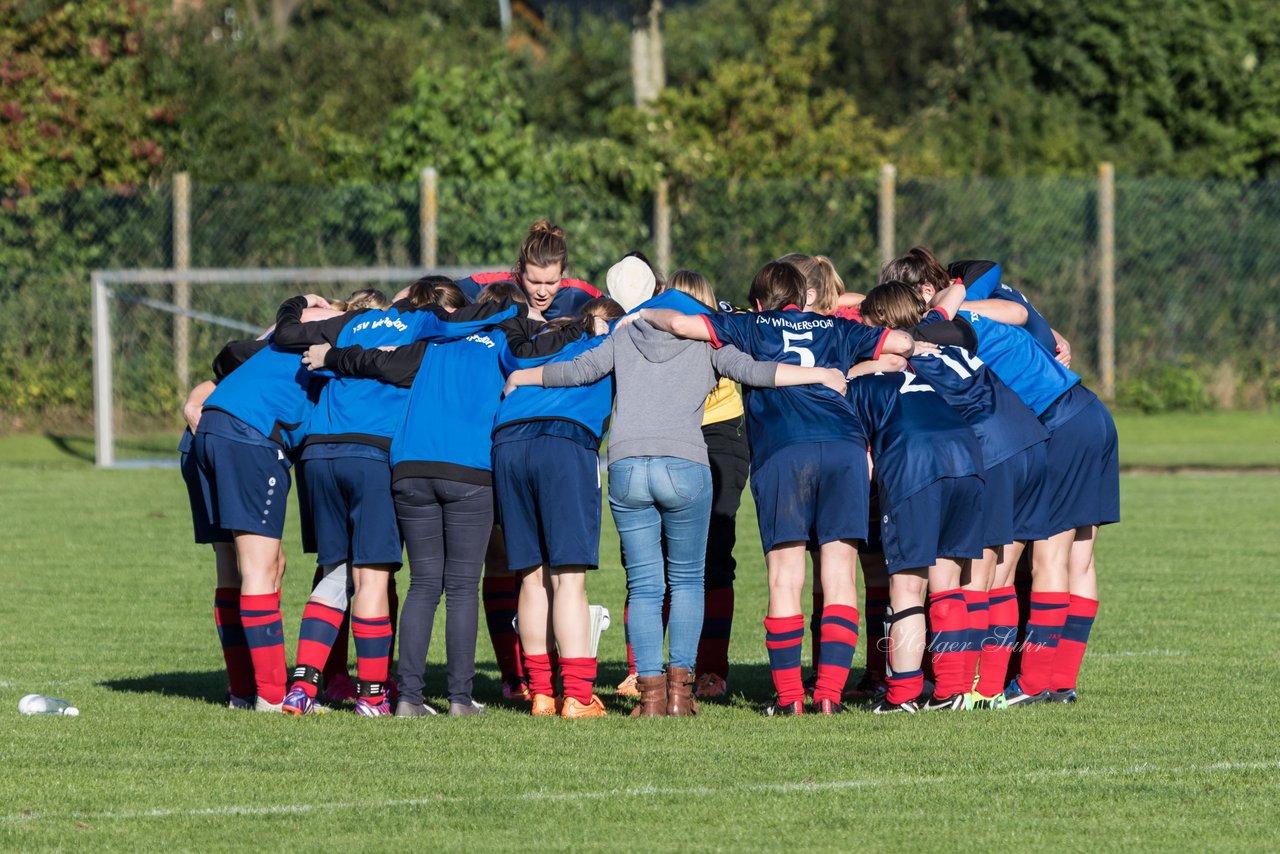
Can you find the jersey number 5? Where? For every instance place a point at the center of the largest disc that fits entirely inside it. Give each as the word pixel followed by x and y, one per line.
pixel 805 354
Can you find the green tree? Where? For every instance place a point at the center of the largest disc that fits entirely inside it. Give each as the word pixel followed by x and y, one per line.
pixel 75 104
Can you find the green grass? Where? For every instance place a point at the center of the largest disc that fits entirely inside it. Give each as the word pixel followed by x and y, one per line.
pixel 107 603
pixel 1200 440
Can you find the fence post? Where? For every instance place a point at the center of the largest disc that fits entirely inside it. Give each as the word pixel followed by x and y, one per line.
pixel 182 290
pixel 662 226
pixel 429 235
pixel 1107 279
pixel 888 193
pixel 103 411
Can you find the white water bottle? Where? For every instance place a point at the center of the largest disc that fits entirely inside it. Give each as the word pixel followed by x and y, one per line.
pixel 38 704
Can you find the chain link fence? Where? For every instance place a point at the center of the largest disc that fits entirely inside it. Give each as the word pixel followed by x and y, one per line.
pixel 1197 275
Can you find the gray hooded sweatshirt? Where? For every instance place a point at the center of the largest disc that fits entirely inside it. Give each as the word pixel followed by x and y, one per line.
pixel 663 382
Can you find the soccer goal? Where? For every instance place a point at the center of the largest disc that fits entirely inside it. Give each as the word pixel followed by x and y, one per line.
pixel 155 333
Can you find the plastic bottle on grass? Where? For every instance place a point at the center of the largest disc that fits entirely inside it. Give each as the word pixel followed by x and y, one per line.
pixel 38 704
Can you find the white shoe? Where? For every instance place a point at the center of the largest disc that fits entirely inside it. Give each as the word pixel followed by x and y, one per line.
pixel 261 705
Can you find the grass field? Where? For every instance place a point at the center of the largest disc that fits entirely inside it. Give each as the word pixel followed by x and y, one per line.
pixel 108 604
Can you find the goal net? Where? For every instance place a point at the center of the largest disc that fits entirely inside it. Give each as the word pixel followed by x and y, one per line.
pixel 155 333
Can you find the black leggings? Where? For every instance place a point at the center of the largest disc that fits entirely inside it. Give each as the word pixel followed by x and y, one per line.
pixel 730 459
pixel 445 525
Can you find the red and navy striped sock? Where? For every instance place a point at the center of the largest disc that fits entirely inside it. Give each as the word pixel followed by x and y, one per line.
pixel 373 655
pixel 948 640
pixel 1071 645
pixel 815 627
pixel 336 664
pixel 579 676
pixel 1044 628
pixel 977 604
pixel 264 633
pixel 538 669
pixel 905 687
pixel 784 639
pixel 717 626
pixel 997 643
pixel 316 636
pixel 235 649
pixel 501 594
pixel 839 632
pixel 393 609
pixel 877 605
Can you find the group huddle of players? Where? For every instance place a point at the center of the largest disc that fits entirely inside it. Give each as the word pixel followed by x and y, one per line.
pixel 930 430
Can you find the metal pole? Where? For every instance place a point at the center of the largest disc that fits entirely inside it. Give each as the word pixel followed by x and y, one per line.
pixel 182 290
pixel 888 190
pixel 103 424
pixel 504 15
pixel 427 219
pixel 1107 279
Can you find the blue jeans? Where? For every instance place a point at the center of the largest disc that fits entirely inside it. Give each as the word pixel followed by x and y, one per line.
pixel 657 499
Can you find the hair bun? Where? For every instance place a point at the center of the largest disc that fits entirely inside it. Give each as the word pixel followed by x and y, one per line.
pixel 546 226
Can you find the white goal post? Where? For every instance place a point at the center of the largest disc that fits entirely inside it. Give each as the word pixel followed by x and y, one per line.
pixel 175 296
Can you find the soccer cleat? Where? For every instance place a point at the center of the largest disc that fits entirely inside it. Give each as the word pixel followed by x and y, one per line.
pixel 393 690
pixel 405 709
pixel 573 709
pixel 828 707
pixel 234 702
pixel 783 710
pixel 1062 695
pixel 1015 696
pixel 545 706
pixel 628 687
pixel 884 707
pixel 516 689
pixel 954 703
pixel 367 708
pixel 464 709
pixel 977 701
pixel 711 686
pixel 297 702
pixel 340 689
pixel 261 705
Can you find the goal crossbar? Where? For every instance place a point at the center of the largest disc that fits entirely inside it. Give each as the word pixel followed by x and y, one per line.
pixel 102 282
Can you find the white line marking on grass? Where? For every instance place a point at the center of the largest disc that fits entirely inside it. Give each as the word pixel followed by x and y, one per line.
pixel 643 791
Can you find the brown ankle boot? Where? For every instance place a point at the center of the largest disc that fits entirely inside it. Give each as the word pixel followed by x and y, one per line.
pixel 653 697
pixel 680 702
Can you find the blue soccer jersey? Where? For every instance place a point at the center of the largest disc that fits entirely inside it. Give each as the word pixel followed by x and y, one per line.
pixel 982 280
pixel 271 392
pixel 1016 357
pixel 778 417
pixel 1001 421
pixel 916 438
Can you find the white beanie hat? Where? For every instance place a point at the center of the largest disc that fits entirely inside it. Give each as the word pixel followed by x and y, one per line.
pixel 630 282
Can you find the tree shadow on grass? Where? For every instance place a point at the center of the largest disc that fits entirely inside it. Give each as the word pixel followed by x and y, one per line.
pixel 209 686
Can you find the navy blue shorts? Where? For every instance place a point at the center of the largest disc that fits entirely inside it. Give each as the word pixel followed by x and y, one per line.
pixel 548 491
pixel 813 492
pixel 243 487
pixel 1082 483
pixel 942 520
pixel 205 530
pixel 1030 511
pixel 873 543
pixel 352 512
